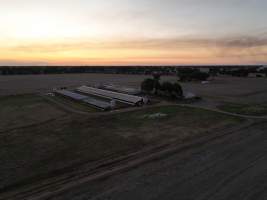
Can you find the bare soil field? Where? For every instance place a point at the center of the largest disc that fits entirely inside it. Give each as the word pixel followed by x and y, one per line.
pixel 42 142
pixel 229 89
pixel 26 110
pixel 38 151
pixel 233 167
pixel 37 83
pixel 232 89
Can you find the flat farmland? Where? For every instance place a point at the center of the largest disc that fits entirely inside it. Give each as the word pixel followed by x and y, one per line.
pixel 53 142
pixel 47 145
pixel 40 83
pixel 229 89
pixel 21 111
pixel 229 168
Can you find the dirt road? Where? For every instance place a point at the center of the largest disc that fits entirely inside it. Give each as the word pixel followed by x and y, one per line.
pixel 231 167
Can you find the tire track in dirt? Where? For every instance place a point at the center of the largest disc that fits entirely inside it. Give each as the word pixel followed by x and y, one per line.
pixel 66 183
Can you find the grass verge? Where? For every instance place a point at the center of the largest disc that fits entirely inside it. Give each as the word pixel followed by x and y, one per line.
pixel 245 109
pixel 74 105
pixel 24 110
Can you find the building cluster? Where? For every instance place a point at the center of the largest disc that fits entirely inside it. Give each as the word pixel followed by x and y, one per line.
pixel 101 98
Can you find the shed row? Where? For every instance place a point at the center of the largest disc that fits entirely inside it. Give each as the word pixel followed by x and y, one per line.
pixel 85 99
pixel 124 98
pixel 121 89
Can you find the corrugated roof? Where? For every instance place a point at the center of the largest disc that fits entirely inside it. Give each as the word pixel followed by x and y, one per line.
pixel 72 95
pixel 121 89
pixel 100 104
pixel 85 99
pixel 130 99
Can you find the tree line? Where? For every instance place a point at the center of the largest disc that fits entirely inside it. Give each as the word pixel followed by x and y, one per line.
pixel 167 89
pixel 185 73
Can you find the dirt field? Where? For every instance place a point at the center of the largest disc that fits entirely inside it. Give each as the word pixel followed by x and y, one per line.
pixel 26 110
pixel 36 83
pixel 46 145
pixel 49 145
pixel 230 89
pixel 229 168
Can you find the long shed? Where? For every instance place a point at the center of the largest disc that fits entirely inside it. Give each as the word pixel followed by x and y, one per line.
pixel 71 95
pixel 85 99
pixel 124 98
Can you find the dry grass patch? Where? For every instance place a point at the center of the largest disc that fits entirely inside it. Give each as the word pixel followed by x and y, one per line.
pixel 24 110
pixel 245 109
pixel 37 152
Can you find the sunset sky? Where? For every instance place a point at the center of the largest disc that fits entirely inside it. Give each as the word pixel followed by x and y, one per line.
pixel 132 32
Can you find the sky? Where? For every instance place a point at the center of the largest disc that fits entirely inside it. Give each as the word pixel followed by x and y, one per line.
pixel 132 32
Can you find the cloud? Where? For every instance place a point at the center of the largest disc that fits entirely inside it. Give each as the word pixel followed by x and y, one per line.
pixel 244 42
pixel 146 43
pixel 22 63
pixel 180 49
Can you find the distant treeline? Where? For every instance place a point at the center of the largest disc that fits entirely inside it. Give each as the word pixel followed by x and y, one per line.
pixel 77 69
pixel 145 70
pixel 244 72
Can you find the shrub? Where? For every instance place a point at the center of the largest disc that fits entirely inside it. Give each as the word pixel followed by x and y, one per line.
pixel 192 74
pixel 147 85
pixel 156 76
pixel 200 76
pixel 178 90
pixel 173 90
pixel 167 87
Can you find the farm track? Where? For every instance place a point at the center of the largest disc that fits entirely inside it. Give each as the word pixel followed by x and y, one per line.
pixel 205 107
pixel 106 168
pixel 224 112
pixel 230 167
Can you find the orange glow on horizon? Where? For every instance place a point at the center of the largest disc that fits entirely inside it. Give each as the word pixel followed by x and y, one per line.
pixel 119 32
pixel 128 52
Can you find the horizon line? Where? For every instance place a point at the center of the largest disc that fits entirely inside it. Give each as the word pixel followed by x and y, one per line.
pixel 197 65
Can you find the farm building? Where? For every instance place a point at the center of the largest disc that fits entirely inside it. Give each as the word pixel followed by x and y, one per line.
pixel 124 98
pixel 204 69
pixel 97 103
pixel 256 75
pixel 262 68
pixel 71 95
pixel 120 89
pixel 84 99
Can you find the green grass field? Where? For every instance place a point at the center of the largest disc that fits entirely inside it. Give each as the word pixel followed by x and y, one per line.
pixel 55 142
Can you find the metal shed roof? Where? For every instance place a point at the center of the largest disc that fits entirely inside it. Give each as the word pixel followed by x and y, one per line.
pixel 85 99
pixel 99 104
pixel 129 99
pixel 72 95
pixel 121 89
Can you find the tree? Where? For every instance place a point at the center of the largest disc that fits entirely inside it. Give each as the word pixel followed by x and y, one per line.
pixel 178 90
pixel 156 76
pixel 174 90
pixel 201 76
pixel 156 87
pixel 188 74
pixel 167 87
pixel 148 85
pixel 240 73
